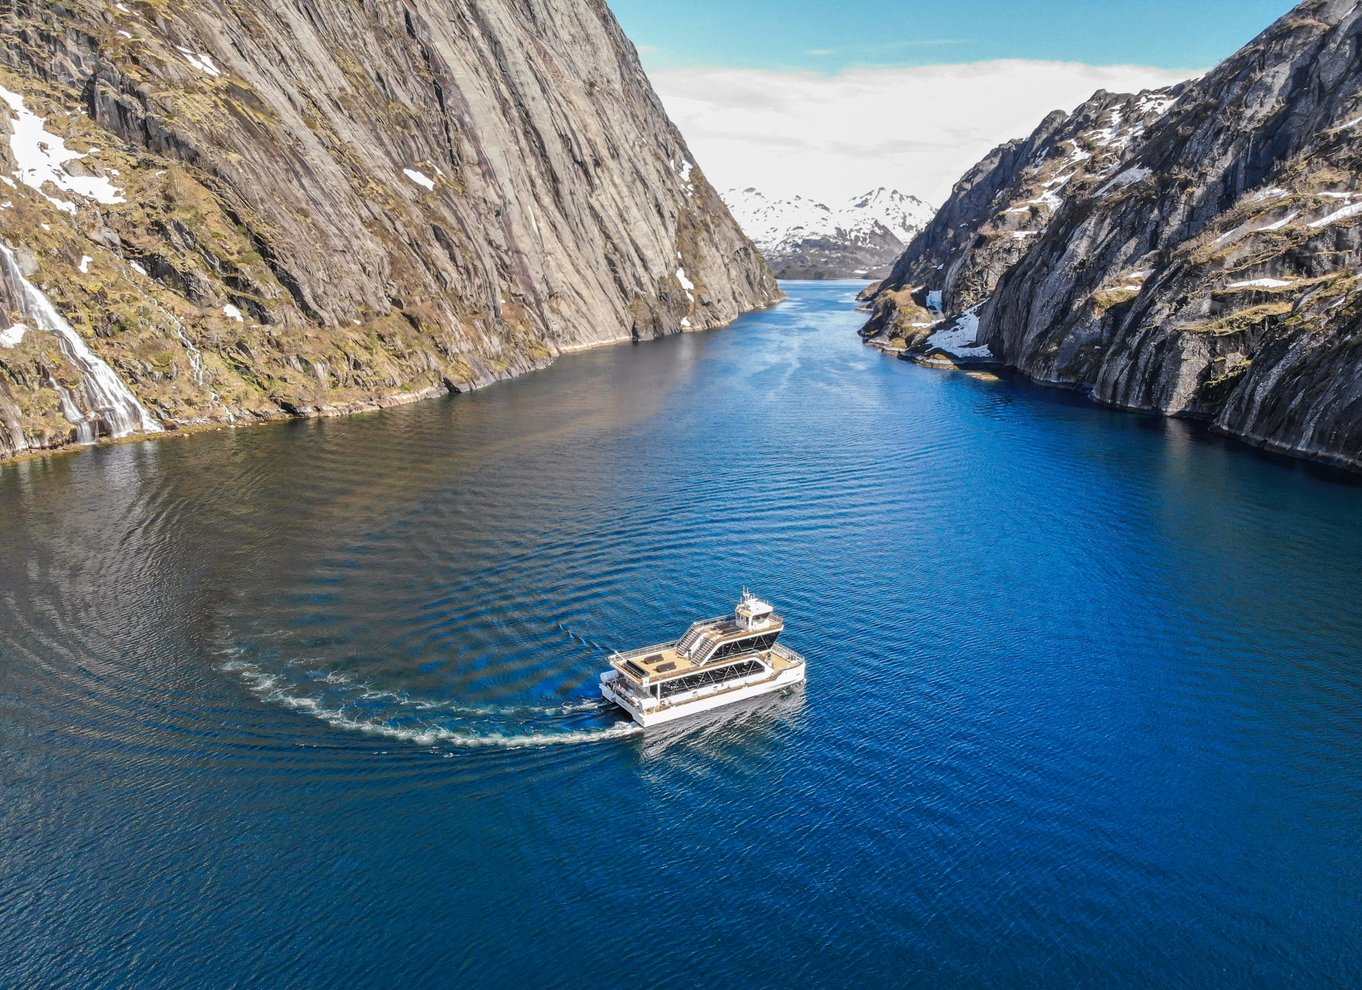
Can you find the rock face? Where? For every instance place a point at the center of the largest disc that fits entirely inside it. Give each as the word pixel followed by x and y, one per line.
pixel 1193 251
pixel 253 210
pixel 805 239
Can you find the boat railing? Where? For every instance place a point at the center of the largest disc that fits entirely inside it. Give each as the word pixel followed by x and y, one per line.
pixel 728 626
pixel 696 628
pixel 645 651
pixel 641 652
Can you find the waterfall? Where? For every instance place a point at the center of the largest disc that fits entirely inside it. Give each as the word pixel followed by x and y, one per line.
pixel 109 408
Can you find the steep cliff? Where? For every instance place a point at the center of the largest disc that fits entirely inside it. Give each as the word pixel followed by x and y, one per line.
pixel 251 210
pixel 1194 252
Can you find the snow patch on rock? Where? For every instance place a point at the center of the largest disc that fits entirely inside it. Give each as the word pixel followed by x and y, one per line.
pixel 1154 104
pixel 13 337
pixel 684 174
pixel 1338 216
pixel 686 283
pixel 201 62
pixel 1249 228
pixel 1278 225
pixel 1261 283
pixel 420 178
pixel 959 338
pixel 42 158
pixel 1127 178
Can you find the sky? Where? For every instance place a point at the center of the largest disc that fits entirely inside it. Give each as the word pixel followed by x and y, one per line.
pixel 827 100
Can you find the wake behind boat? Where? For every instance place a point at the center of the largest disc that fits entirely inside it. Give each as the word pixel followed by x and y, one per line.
pixel 717 662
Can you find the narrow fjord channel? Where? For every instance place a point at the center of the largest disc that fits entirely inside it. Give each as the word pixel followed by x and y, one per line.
pixel 316 702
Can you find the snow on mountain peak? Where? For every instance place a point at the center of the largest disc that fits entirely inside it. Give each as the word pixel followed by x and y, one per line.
pixel 775 223
pixel 800 235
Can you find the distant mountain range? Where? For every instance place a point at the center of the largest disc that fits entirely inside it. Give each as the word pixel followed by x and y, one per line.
pixel 802 238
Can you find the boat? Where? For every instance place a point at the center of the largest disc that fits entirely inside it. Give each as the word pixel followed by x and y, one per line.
pixel 717 662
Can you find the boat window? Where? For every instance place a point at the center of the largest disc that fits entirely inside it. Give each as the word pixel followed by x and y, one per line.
pixel 752 644
pixel 706 677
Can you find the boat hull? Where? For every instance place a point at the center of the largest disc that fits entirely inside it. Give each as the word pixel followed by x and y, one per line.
pixel 661 714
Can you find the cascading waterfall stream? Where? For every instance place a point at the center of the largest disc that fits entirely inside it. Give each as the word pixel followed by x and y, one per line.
pixel 108 401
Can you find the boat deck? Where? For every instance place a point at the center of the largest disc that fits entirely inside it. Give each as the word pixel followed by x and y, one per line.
pixel 663 663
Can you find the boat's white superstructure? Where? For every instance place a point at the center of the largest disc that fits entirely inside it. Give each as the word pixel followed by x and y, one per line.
pixel 717 662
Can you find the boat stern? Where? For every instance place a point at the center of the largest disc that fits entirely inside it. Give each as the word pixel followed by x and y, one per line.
pixel 613 691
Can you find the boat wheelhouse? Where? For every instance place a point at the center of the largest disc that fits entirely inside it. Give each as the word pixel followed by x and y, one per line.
pixel 717 662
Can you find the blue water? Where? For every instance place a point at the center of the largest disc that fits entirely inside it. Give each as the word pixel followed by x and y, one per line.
pixel 313 705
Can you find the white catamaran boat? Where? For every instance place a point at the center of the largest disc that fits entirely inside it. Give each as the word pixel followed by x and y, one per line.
pixel 718 661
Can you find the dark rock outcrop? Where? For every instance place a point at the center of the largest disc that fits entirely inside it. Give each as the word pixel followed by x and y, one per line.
pixel 325 205
pixel 1194 251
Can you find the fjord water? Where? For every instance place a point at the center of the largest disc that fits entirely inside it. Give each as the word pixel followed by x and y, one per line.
pixel 314 704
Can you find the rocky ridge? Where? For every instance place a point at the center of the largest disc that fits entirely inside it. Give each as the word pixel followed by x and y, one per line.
pixel 1194 252
pixel 214 211
pixel 802 238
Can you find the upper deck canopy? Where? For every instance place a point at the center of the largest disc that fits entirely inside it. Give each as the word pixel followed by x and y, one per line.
pixel 753 628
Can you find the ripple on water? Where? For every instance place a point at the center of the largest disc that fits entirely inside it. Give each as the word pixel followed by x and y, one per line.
pixel 1081 709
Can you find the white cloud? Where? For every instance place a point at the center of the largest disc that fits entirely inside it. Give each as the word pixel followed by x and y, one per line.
pixel 833 136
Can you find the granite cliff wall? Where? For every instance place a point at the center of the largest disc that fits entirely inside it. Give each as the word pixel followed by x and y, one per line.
pixel 252 210
pixel 1195 251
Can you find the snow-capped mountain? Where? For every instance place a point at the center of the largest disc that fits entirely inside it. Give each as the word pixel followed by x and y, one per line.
pixel 802 238
pixel 903 215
